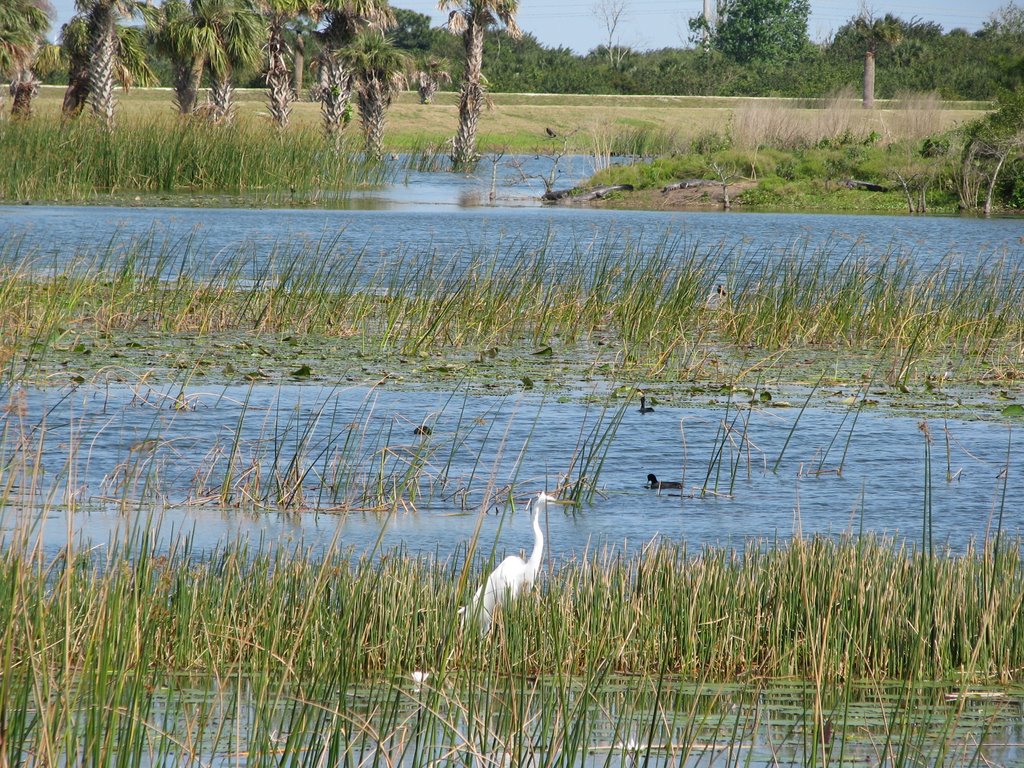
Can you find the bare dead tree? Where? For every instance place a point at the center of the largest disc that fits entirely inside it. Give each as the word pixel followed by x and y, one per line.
pixel 725 175
pixel 555 157
pixel 610 13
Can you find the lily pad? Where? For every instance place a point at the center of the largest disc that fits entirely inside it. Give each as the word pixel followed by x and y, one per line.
pixel 1015 411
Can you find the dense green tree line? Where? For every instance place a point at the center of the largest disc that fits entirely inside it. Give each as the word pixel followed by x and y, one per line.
pixel 956 64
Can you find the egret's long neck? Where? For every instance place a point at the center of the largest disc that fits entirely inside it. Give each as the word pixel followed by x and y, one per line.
pixel 538 541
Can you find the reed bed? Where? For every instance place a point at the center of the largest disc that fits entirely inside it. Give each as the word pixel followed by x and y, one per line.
pixel 648 299
pixel 123 654
pixel 818 609
pixel 81 161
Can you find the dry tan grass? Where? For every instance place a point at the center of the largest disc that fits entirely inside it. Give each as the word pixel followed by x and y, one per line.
pixel 518 121
pixel 790 124
pixel 914 116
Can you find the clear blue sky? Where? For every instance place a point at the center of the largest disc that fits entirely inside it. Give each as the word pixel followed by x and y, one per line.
pixel 650 24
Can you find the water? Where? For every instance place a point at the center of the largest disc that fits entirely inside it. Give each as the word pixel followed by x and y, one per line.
pixel 97 460
pixel 113 448
pixel 450 217
pixel 118 446
pixel 626 722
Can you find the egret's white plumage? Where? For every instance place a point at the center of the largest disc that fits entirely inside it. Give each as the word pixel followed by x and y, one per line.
pixel 717 298
pixel 512 575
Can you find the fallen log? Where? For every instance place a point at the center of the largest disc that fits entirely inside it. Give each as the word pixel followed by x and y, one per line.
pixel 558 194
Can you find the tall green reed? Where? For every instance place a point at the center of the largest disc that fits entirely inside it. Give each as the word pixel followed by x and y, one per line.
pixel 271 652
pixel 645 302
pixel 81 161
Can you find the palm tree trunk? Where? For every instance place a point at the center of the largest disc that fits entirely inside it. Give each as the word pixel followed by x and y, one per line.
pixel 24 87
pixel 101 64
pixel 221 92
pixel 335 91
pixel 868 101
pixel 471 98
pixel 279 84
pixel 427 88
pixel 372 110
pixel 75 96
pixel 186 86
pixel 298 65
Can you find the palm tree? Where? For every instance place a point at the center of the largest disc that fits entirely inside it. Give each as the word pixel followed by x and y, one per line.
pixel 238 43
pixel 23 25
pixel 873 33
pixel 345 18
pixel 378 70
pixel 101 18
pixel 471 19
pixel 434 72
pixel 130 66
pixel 178 35
pixel 74 43
pixel 221 35
pixel 277 14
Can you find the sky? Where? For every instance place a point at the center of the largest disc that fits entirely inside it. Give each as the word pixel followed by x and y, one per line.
pixel 649 24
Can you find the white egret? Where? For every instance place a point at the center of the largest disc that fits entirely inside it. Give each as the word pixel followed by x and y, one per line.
pixel 511 576
pixel 419 678
pixel 717 298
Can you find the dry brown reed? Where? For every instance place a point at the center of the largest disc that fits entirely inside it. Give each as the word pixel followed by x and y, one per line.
pixel 914 116
pixel 793 125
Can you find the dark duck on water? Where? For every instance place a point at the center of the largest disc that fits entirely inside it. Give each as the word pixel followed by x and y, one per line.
pixel 662 485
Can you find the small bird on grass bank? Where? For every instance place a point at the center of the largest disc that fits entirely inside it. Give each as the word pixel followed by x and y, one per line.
pixel 662 485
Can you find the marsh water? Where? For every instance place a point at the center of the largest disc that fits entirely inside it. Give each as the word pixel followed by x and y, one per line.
pixel 451 218
pixel 747 472
pixel 627 723
pixel 762 472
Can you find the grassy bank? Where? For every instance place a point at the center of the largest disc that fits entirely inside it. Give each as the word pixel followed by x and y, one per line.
pixel 153 151
pixel 82 162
